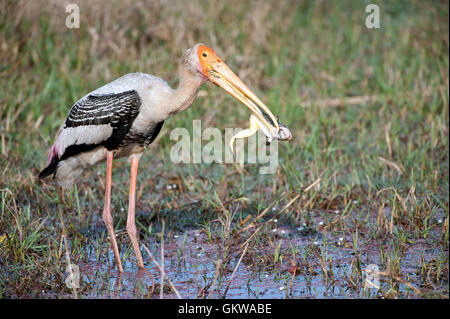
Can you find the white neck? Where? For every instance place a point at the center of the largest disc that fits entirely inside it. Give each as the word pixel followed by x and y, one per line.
pixel 183 96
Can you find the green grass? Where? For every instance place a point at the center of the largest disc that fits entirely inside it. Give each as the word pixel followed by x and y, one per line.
pixel 383 161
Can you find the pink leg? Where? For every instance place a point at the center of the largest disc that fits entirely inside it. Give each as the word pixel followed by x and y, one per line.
pixel 107 218
pixel 131 223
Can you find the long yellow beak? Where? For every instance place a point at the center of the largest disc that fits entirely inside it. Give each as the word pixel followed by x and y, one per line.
pixel 220 74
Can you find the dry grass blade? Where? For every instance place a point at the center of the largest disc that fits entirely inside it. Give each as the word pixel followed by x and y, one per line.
pixel 391 164
pixel 362 99
pixel 161 286
pixel 387 134
pixel 216 273
pixel 161 270
pixel 252 224
pixel 235 269
pixel 69 264
pixel 334 102
pixel 312 185
pixel 401 280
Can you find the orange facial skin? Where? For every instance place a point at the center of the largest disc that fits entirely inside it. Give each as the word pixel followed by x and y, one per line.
pixel 212 68
pixel 207 57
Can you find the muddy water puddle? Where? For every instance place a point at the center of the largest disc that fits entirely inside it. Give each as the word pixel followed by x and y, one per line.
pixel 190 262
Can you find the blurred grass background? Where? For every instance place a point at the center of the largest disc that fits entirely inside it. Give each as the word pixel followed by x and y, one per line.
pixel 368 109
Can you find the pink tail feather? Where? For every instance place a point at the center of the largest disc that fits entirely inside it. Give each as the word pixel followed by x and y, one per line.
pixel 53 153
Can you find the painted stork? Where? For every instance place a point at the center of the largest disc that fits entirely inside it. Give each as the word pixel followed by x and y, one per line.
pixel 124 116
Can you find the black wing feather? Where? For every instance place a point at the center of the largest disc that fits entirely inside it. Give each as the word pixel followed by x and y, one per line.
pixel 117 110
pixel 114 109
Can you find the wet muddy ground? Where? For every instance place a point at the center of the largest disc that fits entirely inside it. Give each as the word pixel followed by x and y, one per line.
pixel 309 265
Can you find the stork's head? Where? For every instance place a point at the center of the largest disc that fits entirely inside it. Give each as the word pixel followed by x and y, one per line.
pixel 206 63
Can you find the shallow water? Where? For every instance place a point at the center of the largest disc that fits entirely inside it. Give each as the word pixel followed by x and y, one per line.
pixel 191 267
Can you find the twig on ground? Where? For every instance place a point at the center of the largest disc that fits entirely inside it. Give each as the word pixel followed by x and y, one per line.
pixel 235 269
pixel 161 270
pixel 69 264
pixel 161 285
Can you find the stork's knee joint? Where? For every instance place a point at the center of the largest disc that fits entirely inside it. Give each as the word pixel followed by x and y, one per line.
pixel 107 218
pixel 131 230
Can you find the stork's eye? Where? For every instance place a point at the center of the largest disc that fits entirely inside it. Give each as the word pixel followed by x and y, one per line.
pixel 204 54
